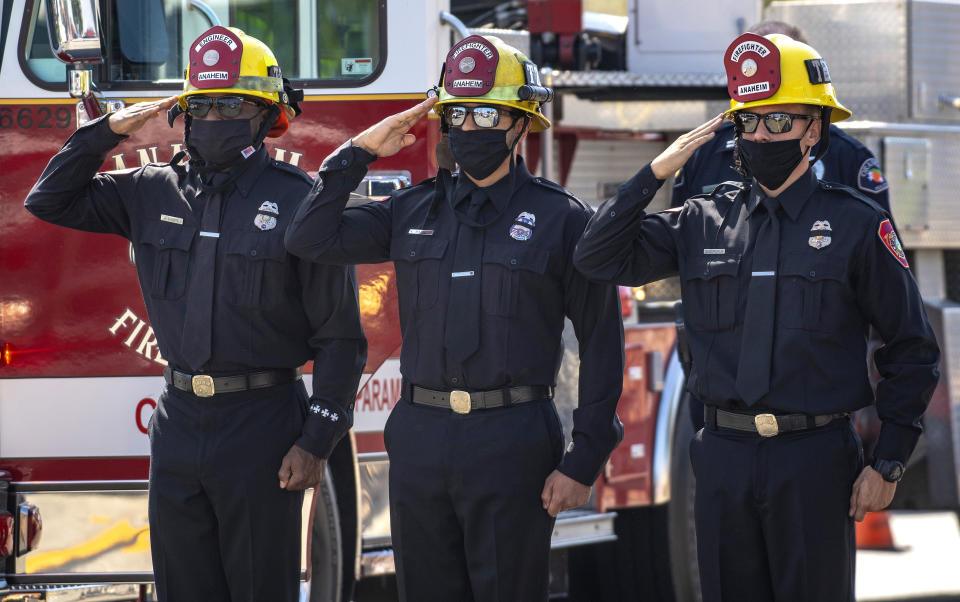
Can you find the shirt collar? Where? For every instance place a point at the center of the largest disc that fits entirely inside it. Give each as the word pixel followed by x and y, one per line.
pixel 792 199
pixel 500 192
pixel 251 170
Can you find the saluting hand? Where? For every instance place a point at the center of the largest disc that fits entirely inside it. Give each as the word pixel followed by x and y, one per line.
pixel 871 492
pixel 677 154
pixel 560 493
pixel 389 136
pixel 130 119
pixel 301 469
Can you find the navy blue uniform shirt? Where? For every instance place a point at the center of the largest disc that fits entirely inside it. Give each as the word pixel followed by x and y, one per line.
pixel 528 287
pixel 270 310
pixel 841 269
pixel 847 161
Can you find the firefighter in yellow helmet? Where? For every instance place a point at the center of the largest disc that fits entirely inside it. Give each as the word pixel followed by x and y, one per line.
pixel 478 465
pixel 230 110
pixel 235 438
pixel 781 279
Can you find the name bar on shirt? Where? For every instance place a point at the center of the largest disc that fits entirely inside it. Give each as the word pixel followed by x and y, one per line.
pixel 462 274
pixel 210 234
pixel 763 273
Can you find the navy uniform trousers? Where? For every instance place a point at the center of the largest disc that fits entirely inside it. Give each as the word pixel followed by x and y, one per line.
pixel 468 487
pixel 214 483
pixel 772 514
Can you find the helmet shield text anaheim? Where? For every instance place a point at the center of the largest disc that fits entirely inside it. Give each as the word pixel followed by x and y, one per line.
pixel 470 68
pixel 215 59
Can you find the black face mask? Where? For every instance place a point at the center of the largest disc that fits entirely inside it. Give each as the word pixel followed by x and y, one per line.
pixel 479 152
pixel 771 163
pixel 220 143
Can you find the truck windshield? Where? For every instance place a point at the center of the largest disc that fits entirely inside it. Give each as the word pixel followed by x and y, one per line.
pixel 333 42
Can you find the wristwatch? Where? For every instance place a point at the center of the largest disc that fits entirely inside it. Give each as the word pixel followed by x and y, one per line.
pixel 890 470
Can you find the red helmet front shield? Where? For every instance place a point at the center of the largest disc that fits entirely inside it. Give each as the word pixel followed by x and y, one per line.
pixel 215 59
pixel 471 67
pixel 752 63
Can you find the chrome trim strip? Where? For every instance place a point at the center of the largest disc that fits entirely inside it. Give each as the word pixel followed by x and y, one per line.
pixel 665 429
pixel 372 457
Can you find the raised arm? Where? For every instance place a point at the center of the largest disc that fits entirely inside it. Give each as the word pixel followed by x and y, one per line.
pixel 71 193
pixel 324 229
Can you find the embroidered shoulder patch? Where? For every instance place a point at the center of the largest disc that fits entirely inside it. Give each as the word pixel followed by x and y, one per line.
pixel 889 237
pixel 870 178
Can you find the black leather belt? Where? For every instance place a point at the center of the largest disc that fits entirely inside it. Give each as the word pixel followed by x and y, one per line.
pixel 463 402
pixel 204 385
pixel 765 424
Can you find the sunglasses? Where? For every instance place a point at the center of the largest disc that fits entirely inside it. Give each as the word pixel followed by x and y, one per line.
pixel 229 107
pixel 776 123
pixel 484 117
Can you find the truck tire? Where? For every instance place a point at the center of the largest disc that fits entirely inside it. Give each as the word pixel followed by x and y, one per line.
pixel 326 555
pixel 683 534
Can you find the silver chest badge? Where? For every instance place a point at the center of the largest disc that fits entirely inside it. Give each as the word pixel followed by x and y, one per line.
pixel 267 216
pixel 819 234
pixel 522 228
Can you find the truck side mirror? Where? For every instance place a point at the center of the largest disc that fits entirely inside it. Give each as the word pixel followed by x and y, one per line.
pixel 74 27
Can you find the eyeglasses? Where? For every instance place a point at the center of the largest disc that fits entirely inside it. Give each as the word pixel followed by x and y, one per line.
pixel 776 123
pixel 484 117
pixel 228 106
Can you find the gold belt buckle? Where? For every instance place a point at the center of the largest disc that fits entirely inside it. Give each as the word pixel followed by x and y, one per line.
pixel 766 425
pixel 202 385
pixel 460 402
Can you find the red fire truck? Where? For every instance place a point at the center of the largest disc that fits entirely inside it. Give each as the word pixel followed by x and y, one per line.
pixel 79 365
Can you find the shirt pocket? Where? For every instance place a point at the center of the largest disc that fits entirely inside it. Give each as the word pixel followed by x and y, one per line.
pixel 504 266
pixel 256 270
pixel 711 293
pixel 417 264
pixel 169 244
pixel 810 294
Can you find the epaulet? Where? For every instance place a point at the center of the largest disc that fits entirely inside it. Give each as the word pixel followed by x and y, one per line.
pixel 558 188
pixel 855 194
pixel 291 169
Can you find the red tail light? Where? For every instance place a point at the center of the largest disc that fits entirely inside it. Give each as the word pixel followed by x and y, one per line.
pixel 6 533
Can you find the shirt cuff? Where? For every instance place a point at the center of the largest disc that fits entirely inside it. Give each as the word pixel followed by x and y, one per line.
pixel 97 135
pixel 642 187
pixel 896 442
pixel 323 428
pixel 586 456
pixel 346 156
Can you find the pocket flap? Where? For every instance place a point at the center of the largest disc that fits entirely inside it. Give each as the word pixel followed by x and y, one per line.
pixel 802 267
pixel 703 268
pixel 168 236
pixel 418 250
pixel 517 258
pixel 256 246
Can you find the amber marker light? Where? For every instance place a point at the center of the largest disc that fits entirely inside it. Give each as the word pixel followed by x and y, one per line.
pixel 6 357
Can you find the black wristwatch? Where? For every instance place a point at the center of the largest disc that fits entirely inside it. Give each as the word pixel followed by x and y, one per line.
pixel 890 470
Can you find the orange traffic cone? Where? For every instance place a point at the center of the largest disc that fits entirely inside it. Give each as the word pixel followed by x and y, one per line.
pixel 873 533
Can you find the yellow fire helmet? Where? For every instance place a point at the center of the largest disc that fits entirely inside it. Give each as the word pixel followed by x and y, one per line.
pixel 485 69
pixel 776 69
pixel 214 59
